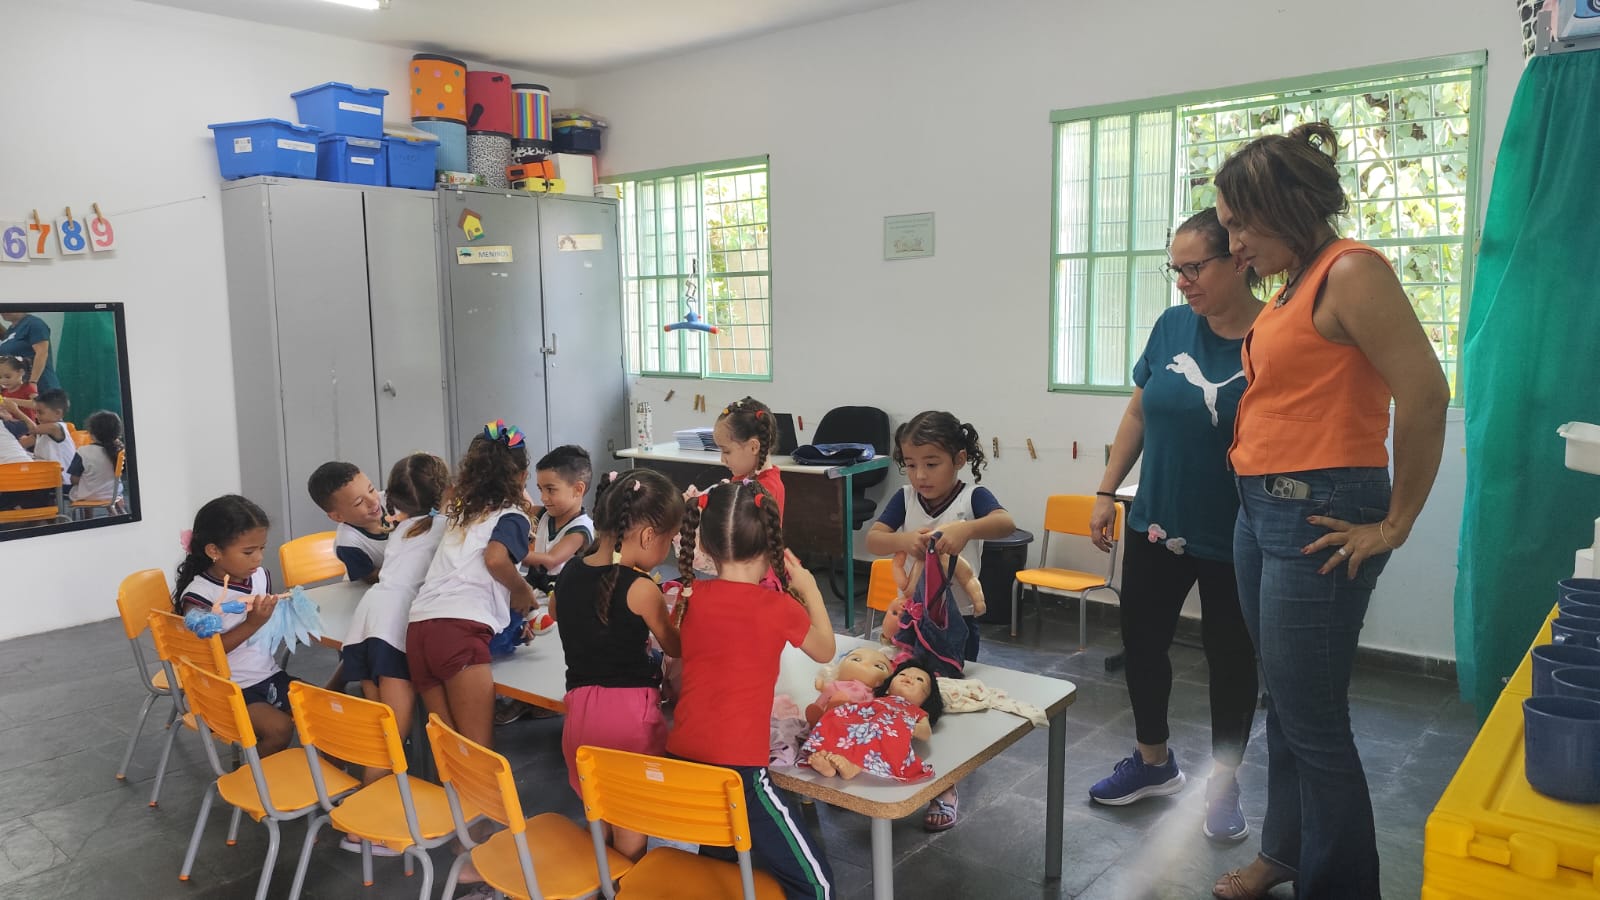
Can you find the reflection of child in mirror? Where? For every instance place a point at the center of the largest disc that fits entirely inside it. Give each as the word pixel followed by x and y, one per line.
pixel 12 452
pixel 14 383
pixel 51 440
pixel 94 472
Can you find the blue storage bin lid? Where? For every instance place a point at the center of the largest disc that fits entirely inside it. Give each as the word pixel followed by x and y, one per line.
pixel 341 85
pixel 368 142
pixel 415 141
pixel 279 122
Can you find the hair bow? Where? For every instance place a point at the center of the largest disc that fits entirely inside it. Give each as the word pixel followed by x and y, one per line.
pixel 703 499
pixel 185 538
pixel 758 500
pixel 498 430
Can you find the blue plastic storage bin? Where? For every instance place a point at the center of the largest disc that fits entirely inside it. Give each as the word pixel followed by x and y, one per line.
pixel 265 147
pixel 338 108
pixel 352 160
pixel 411 163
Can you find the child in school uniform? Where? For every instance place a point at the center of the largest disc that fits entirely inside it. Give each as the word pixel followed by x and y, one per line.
pixel 94 471
pixel 472 584
pixel 14 383
pixel 51 440
pixel 931 449
pixel 733 631
pixel 11 421
pixel 223 563
pixel 608 607
pixel 350 499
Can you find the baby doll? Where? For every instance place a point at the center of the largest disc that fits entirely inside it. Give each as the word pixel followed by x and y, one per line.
pixel 852 679
pixel 875 737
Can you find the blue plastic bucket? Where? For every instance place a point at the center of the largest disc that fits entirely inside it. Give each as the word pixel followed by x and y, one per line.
pixel 1549 657
pixel 412 163
pixel 452 144
pixel 1562 745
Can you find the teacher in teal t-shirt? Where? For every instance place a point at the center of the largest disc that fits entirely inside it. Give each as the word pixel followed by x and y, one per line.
pixel 1180 530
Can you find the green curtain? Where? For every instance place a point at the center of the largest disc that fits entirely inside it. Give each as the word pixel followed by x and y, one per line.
pixel 1531 361
pixel 87 364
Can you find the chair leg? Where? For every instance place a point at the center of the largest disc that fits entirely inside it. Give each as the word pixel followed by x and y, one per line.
pixel 172 714
pixel 127 756
pixel 161 767
pixel 233 826
pixel 312 827
pixel 199 829
pixel 366 863
pixel 273 836
pixel 1083 621
pixel 1016 594
pixel 454 876
pixel 427 871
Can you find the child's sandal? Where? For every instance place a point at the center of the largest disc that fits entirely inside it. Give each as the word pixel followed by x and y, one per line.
pixel 942 814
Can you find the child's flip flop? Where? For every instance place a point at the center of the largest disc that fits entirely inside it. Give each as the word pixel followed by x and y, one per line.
pixel 942 814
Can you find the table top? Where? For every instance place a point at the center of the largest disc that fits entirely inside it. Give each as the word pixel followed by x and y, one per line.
pixel 962 742
pixel 535 673
pixel 674 454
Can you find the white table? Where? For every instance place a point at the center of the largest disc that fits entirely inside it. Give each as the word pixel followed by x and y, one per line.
pixel 824 498
pixel 961 742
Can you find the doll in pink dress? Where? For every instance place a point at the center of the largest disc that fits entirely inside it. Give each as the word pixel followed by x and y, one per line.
pixel 875 736
pixel 855 678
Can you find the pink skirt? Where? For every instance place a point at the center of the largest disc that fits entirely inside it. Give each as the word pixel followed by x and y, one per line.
pixel 615 718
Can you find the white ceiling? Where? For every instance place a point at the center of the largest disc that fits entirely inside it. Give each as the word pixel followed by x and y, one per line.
pixel 577 37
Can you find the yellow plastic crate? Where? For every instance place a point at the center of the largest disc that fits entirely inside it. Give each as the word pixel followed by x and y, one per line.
pixel 1492 836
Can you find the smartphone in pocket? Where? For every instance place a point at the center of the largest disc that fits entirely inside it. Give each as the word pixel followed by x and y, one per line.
pixel 1286 488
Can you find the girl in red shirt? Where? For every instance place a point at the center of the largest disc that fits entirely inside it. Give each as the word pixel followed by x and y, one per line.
pixel 733 631
pixel 14 385
pixel 745 433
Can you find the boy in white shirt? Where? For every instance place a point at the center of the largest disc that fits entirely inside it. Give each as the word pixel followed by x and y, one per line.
pixel 351 500
pixel 51 440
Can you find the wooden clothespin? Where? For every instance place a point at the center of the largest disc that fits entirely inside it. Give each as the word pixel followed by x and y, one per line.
pixel 69 213
pixel 801 422
pixel 96 208
pixel 1031 453
pixel 996 444
pixel 36 217
pixel 669 397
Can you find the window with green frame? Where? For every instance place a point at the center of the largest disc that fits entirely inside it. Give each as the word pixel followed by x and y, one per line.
pixel 1126 174
pixel 696 238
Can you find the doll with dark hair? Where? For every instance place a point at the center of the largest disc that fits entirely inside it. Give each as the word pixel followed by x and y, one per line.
pixel 875 736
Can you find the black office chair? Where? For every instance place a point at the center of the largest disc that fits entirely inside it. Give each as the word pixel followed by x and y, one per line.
pixel 856 425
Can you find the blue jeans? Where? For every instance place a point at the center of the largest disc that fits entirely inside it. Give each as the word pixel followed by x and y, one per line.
pixel 1305 626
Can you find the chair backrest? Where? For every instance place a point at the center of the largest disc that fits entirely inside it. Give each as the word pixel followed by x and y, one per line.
pixel 881 586
pixel 219 702
pixel 175 642
pixel 310 558
pixel 1069 514
pixel 79 438
pixel 857 425
pixel 30 476
pixel 347 728
pixel 668 798
pixel 122 456
pixel 478 775
pixel 138 596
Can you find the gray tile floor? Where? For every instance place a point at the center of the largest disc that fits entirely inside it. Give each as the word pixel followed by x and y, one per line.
pixel 68 829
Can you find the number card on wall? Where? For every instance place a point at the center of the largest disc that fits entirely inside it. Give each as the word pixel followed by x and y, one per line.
pixel 39 244
pixel 69 232
pixel 102 237
pixel 13 242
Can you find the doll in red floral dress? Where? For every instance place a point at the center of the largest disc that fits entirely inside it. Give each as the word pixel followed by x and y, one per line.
pixel 875 736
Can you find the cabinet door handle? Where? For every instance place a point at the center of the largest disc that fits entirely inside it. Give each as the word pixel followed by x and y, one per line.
pixel 388 388
pixel 550 350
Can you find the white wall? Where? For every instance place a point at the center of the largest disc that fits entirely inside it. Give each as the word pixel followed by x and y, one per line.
pixel 109 103
pixel 944 105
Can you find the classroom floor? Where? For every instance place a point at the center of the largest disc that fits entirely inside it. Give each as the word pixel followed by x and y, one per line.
pixel 68 829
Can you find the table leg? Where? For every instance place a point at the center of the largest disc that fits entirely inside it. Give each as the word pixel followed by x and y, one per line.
pixel 849 553
pixel 883 860
pixel 1054 789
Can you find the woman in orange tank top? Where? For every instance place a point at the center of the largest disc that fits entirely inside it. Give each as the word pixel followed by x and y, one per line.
pixel 1317 517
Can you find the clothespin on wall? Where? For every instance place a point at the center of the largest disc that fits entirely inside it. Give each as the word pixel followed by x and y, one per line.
pixel 801 422
pixel 996 447
pixel 36 217
pixel 1031 453
pixel 69 213
pixel 669 397
pixel 96 208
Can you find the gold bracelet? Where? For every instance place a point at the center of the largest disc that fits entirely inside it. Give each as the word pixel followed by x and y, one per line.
pixel 1385 535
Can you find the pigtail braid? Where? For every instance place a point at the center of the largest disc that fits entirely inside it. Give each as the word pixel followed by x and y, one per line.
pixel 608 581
pixel 687 533
pixel 772 523
pixel 974 448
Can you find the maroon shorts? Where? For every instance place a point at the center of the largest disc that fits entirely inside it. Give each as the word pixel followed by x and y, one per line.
pixel 438 649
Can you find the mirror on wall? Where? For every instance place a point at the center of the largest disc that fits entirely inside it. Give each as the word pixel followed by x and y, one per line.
pixel 67 451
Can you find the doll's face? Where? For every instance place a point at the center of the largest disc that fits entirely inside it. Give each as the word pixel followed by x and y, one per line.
pixel 866 665
pixel 911 684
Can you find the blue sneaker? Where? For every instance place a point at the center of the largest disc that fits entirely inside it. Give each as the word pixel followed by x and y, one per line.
pixel 1134 779
pixel 1224 817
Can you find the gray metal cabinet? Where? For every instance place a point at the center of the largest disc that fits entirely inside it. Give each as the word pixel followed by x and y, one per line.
pixel 333 294
pixel 536 338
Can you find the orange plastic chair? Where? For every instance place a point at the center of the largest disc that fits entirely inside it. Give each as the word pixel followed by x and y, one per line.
pixel 561 863
pixel 138 596
pixel 116 503
pixel 405 814
pixel 881 588
pixel 309 558
pixel 79 438
pixel 31 476
pixel 1069 514
pixel 280 788
pixel 175 642
pixel 676 800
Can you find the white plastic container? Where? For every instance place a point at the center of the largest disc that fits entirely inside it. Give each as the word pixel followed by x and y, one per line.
pixel 1583 446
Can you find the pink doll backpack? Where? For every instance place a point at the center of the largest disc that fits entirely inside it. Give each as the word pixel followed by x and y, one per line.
pixel 930 624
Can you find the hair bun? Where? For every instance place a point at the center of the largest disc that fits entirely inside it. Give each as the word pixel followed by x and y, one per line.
pixel 1319 135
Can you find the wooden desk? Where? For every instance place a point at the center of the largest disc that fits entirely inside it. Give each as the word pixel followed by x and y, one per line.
pixel 536 673
pixel 961 743
pixel 819 500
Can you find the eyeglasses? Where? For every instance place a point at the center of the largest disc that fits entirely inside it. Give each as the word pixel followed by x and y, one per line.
pixel 1191 271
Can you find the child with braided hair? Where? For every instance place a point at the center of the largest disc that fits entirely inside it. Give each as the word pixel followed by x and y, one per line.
pixel 745 433
pixel 608 607
pixel 733 631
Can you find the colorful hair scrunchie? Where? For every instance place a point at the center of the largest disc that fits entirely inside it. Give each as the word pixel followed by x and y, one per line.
pixel 498 430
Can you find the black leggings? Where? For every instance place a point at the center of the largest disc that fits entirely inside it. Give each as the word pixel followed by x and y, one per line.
pixel 1155 583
